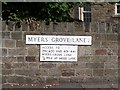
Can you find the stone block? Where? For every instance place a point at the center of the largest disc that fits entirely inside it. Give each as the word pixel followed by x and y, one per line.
pixel 101 52
pixel 33 66
pixel 63 65
pixel 84 59
pixel 3 25
pixel 7 72
pixel 103 37
pixel 20 43
pixel 54 72
pixel 20 59
pixel 17 52
pixel 70 27
pixel 94 27
pixel 68 72
pixel 33 51
pixel 4 52
pixel 64 80
pixel 79 65
pixel 102 28
pixel 98 72
pixel 23 72
pixel 95 65
pixel 78 26
pixel 52 80
pixel 100 59
pixel 64 27
pixel 115 27
pixel 8 59
pixel 29 81
pixel 112 37
pixel 20 66
pixel 76 79
pixel 109 44
pixel 9 43
pixel 16 79
pixel 18 26
pixel 16 35
pixel 111 65
pixel 87 26
pixel 47 65
pixel 110 79
pixel 85 50
pixel 56 27
pixel 25 26
pixel 38 80
pixel 8 65
pixel 111 72
pixel 80 72
pixel 94 80
pixel 4 79
pixel 40 72
pixel 5 35
pixel 30 59
pixel 108 28
pixel 10 25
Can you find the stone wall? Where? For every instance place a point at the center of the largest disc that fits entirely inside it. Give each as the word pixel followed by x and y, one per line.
pixel 97 65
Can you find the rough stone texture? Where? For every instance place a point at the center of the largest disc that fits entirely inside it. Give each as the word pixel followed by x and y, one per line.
pixel 30 59
pixel 16 35
pixel 9 43
pixel 97 64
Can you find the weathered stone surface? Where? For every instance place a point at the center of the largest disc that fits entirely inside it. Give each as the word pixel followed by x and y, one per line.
pixel 78 26
pixel 112 37
pixel 20 59
pixel 95 65
pixel 16 35
pixel 101 52
pixel 3 26
pixel 102 28
pixel 9 43
pixel 64 80
pixel 20 65
pixel 94 27
pixel 17 52
pixel 8 65
pixel 40 72
pixel 10 25
pixel 68 72
pixel 111 72
pixel 54 72
pixel 77 79
pixel 25 72
pixel 8 59
pixel 30 59
pixel 16 79
pixel 33 66
pixel 33 51
pixel 7 71
pixel 98 72
pixel 20 43
pixel 4 52
pixel 52 80
pixel 5 35
pixel 47 65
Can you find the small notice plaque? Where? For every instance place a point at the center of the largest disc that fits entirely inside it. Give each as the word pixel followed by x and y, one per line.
pixel 58 53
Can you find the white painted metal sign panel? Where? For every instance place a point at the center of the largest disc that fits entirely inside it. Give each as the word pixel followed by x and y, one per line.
pixel 52 39
pixel 58 53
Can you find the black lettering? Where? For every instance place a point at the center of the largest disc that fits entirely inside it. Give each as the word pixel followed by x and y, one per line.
pixel 30 39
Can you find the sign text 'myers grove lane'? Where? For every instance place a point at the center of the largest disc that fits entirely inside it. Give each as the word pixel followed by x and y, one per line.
pixel 52 39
